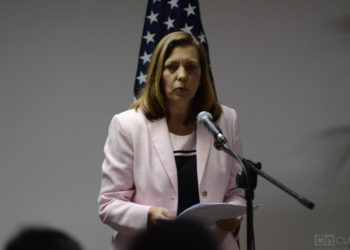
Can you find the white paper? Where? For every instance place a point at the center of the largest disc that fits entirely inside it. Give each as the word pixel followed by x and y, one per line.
pixel 210 213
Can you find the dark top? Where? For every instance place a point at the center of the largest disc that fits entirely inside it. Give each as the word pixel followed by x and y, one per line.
pixel 184 148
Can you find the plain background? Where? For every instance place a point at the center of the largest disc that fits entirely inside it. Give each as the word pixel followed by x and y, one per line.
pixel 67 66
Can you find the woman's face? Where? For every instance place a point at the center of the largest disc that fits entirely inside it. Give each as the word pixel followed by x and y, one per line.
pixel 181 75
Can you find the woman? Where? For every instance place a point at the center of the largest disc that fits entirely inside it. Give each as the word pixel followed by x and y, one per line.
pixel 157 161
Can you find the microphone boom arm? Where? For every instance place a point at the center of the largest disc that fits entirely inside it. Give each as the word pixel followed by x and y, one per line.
pixel 254 166
pixel 248 180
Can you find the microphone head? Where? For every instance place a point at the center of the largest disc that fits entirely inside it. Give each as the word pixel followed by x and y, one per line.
pixel 203 116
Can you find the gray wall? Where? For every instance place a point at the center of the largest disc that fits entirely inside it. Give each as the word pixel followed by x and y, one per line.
pixel 67 66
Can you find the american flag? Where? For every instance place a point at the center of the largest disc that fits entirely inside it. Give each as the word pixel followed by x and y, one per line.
pixel 163 17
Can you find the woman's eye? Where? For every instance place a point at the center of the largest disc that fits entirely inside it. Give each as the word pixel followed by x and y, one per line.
pixel 192 68
pixel 171 67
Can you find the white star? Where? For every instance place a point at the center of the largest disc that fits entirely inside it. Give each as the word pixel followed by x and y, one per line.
pixel 173 3
pixel 153 17
pixel 146 57
pixel 149 37
pixel 201 37
pixel 187 29
pixel 141 78
pixel 170 23
pixel 190 9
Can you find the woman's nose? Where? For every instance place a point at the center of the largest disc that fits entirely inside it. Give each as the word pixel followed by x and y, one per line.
pixel 182 73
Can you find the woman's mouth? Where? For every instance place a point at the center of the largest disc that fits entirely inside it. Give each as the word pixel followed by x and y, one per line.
pixel 180 90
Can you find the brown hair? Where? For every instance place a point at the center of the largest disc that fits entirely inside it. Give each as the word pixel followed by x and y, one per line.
pixel 152 99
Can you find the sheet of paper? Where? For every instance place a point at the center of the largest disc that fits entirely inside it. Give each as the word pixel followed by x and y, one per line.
pixel 209 213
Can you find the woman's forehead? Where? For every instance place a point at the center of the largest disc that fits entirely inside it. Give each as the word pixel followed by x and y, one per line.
pixel 188 52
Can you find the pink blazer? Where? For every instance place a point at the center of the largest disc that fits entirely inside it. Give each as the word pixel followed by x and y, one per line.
pixel 139 171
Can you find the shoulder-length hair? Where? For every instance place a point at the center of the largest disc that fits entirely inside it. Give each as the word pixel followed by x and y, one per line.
pixel 152 100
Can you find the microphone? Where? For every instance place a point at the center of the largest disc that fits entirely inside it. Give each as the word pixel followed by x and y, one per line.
pixel 206 119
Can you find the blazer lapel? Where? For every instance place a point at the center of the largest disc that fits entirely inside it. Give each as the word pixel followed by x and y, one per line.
pixel 204 141
pixel 160 136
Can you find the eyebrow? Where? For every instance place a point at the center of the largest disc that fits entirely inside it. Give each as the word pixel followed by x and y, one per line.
pixel 193 60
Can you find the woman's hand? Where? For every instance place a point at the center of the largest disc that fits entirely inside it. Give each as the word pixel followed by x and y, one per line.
pixel 229 225
pixel 156 214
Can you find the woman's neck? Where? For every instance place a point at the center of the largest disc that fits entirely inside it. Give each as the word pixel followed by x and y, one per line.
pixel 177 120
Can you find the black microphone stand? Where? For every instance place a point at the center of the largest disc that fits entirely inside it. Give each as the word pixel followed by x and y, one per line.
pixel 247 179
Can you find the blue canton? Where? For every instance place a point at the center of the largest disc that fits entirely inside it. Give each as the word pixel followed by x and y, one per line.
pixel 163 17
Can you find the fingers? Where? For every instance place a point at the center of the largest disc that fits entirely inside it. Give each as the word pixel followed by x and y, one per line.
pixel 165 213
pixel 156 214
pixel 229 224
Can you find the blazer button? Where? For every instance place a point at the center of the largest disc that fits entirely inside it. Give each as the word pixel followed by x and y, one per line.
pixel 205 193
